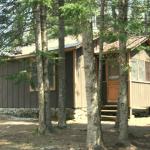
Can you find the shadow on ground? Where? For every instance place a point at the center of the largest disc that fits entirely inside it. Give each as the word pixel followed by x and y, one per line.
pixel 22 135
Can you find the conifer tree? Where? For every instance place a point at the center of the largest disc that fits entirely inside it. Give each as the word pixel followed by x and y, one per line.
pixel 61 69
pixel 123 100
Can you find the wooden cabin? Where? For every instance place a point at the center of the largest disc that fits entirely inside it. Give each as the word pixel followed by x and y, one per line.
pixel 15 96
pixel 138 54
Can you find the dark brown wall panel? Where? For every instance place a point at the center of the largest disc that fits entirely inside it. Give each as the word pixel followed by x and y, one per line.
pixel 33 100
pixel 69 80
pixel 4 85
pixel 10 87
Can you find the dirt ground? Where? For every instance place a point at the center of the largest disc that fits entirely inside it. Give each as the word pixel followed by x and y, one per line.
pixel 22 135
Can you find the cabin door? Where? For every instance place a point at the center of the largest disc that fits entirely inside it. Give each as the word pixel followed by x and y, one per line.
pixel 112 77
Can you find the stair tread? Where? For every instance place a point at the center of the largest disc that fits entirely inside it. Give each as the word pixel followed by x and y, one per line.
pixel 108 116
pixel 109 105
pixel 105 110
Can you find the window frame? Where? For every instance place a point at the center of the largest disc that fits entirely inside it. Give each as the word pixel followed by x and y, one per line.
pixel 138 79
pixel 147 71
pixel 111 75
pixel 51 88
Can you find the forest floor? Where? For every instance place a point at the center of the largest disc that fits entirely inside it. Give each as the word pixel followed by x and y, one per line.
pixel 22 135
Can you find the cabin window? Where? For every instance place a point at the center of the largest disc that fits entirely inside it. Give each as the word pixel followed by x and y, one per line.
pixel 140 70
pixel 134 70
pixel 51 74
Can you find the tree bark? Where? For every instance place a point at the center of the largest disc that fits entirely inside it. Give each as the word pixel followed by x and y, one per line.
pixel 61 70
pixel 38 42
pixel 123 100
pixel 94 140
pixel 147 17
pixel 101 43
pixel 45 65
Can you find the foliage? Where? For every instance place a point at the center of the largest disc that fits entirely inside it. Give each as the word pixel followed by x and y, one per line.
pixel 16 27
pixel 20 77
pixel 77 12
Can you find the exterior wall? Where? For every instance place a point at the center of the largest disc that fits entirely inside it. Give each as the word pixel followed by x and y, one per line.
pixel 14 95
pixel 140 95
pixel 80 92
pixel 139 91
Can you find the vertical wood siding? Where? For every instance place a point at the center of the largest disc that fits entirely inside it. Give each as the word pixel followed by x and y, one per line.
pixel 14 95
pixel 140 95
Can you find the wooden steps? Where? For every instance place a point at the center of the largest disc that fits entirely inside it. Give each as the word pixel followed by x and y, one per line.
pixel 109 112
pixel 108 118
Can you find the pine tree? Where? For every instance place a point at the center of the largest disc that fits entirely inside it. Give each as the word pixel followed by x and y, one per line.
pixel 61 69
pixel 39 61
pixel 94 133
pixel 123 100
pixel 45 61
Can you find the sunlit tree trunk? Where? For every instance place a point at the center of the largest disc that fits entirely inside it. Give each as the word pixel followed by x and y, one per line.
pixel 61 70
pixel 94 140
pixel 123 100
pixel 45 65
pixel 38 42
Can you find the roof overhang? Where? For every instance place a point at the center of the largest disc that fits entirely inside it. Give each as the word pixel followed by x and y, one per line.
pixel 132 43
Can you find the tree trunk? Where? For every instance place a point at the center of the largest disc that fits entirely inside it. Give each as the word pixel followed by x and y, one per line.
pixel 61 71
pixel 101 42
pixel 45 65
pixel 147 17
pixel 123 100
pixel 94 133
pixel 38 42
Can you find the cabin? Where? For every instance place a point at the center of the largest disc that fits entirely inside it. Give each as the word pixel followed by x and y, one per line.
pixel 138 82
pixel 21 96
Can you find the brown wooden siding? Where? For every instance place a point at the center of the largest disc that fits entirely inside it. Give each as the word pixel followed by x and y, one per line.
pixel 69 80
pixel 19 95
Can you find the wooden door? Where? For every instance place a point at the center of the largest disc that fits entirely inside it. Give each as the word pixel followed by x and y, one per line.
pixel 112 76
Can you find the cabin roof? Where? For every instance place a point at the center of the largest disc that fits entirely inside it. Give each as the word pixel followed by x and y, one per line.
pixel 132 43
pixel 70 43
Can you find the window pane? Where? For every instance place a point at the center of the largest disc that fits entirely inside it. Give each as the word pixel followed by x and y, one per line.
pixel 147 68
pixel 33 81
pixel 51 74
pixel 141 64
pixel 113 70
pixel 134 70
pixel 33 76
